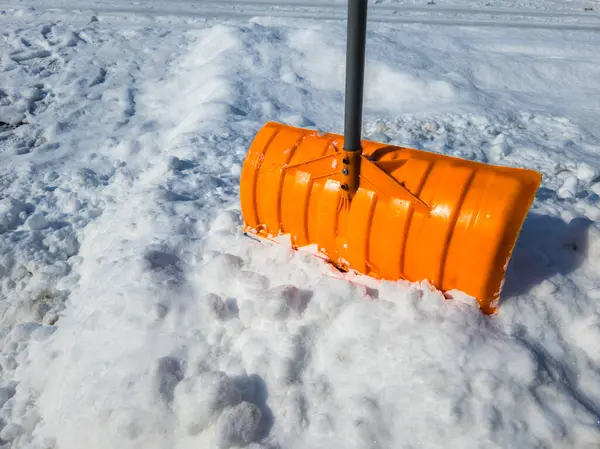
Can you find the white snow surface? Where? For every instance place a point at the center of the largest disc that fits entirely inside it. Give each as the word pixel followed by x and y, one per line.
pixel 135 314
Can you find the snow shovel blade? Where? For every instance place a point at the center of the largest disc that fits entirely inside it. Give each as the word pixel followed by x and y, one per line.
pixel 416 215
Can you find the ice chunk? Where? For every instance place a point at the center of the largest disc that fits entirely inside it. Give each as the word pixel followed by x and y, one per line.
pixel 10 208
pixel 284 301
pixel 37 222
pixel 238 425
pixel 215 307
pixel 200 399
pixel 569 187
pixel 586 173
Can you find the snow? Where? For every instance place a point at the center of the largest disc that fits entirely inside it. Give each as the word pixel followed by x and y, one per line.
pixel 238 425
pixel 135 313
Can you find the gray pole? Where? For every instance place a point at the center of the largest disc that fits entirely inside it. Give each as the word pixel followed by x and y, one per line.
pixel 355 70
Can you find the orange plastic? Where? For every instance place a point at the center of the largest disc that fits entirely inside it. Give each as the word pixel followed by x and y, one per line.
pixel 416 215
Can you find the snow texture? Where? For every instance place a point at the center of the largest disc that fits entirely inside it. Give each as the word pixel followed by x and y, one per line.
pixel 134 313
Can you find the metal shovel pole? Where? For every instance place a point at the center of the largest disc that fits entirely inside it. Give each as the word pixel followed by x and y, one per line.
pixel 355 69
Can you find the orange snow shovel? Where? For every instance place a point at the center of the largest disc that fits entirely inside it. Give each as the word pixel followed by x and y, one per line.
pixel 385 211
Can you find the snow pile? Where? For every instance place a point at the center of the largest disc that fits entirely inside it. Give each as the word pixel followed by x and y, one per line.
pixel 12 211
pixel 136 314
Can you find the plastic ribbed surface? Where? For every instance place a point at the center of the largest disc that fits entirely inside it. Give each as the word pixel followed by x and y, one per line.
pixel 417 215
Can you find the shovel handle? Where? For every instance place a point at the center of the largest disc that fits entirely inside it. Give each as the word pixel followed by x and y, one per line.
pixel 355 68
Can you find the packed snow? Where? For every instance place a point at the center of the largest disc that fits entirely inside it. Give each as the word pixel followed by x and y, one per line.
pixel 136 314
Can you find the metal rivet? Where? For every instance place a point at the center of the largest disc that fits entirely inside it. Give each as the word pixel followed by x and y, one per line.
pixel 345 171
pixel 346 161
pixel 344 186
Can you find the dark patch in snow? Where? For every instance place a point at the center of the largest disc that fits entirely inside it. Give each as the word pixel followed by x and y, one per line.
pixel 46 30
pixel 4 126
pixel 177 164
pixel 169 373
pixel 100 79
pixel 130 102
pixel 162 260
pixel 232 307
pixel 372 292
pixel 254 390
pixel 541 252
pixel 170 195
pixel 26 56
